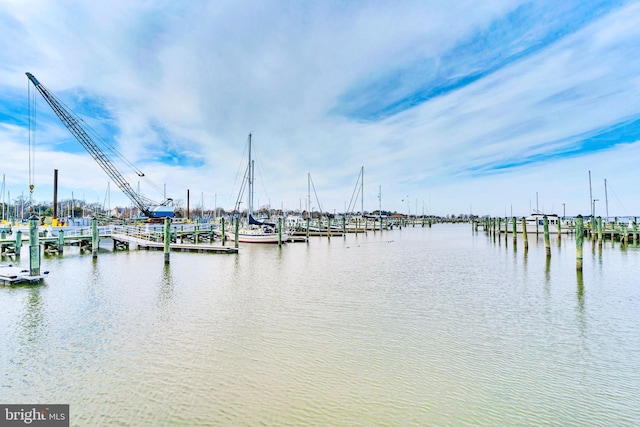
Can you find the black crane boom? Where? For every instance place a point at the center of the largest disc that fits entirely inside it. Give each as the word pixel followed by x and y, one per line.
pixel 98 155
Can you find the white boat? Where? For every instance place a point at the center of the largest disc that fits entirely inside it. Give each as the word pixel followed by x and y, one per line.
pixel 255 231
pixel 535 223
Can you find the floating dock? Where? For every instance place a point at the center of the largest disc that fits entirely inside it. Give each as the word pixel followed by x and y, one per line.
pixel 125 240
pixel 11 275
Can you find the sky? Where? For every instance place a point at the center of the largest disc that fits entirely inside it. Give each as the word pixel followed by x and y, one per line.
pixel 499 107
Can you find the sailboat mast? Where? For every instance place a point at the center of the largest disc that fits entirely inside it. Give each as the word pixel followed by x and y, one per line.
pixel 250 207
pixel 308 195
pixel 362 191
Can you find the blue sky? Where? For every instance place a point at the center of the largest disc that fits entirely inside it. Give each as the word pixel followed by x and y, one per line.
pixel 450 107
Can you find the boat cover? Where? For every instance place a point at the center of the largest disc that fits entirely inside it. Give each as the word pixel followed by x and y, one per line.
pixel 254 221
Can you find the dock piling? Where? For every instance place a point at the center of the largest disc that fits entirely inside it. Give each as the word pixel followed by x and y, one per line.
pixel 167 239
pixel 34 247
pixel 95 238
pixel 60 241
pixel 545 229
pixel 18 243
pixel 524 233
pixel 579 241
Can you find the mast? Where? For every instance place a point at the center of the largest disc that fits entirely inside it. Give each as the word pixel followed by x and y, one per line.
pixel 362 191
pixel 250 201
pixel 308 195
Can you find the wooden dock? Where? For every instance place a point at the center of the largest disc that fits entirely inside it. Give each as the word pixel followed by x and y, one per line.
pixel 126 240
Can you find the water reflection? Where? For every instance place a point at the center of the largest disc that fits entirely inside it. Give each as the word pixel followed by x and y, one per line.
pixel 166 290
pixel 33 318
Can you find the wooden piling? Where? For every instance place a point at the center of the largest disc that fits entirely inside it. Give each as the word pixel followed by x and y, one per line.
pixel 514 230
pixel 600 231
pixel 223 230
pixel 579 241
pixel 559 229
pixel 60 241
pixel 237 231
pixel 279 231
pixel 167 239
pixel 524 233
pixel 34 247
pixel 545 228
pixel 18 243
pixel 95 242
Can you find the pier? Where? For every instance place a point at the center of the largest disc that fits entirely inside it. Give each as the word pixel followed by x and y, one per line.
pixel 183 237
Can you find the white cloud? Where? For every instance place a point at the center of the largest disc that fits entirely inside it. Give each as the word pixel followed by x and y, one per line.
pixel 207 73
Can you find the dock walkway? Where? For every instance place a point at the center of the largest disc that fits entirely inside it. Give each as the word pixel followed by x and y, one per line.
pixel 181 247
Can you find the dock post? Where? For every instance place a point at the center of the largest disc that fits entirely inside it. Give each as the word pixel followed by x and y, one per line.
pixel 506 229
pixel 167 239
pixel 279 231
pixel 600 231
pixel 237 231
pixel 344 225
pixel 60 241
pixel 545 228
pixel 579 241
pixel 308 224
pixel 514 230
pixel 635 232
pixel 95 242
pixel 34 247
pixel 329 228
pixel 559 228
pixel 18 243
pixel 222 228
pixel 524 233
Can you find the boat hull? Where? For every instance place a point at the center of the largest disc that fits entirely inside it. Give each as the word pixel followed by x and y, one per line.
pixel 258 237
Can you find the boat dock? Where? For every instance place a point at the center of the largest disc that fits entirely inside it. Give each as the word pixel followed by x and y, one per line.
pixel 124 241
pixel 11 275
pixel 184 238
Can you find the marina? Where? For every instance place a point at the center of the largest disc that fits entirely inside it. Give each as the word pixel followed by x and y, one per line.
pixel 436 325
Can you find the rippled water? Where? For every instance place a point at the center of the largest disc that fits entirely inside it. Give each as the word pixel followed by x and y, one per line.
pixel 419 326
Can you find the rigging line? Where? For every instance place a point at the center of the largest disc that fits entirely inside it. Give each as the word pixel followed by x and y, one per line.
pixel 260 173
pixel 624 210
pixel 99 138
pixel 354 195
pixel 235 181
pixel 243 185
pixel 31 101
pixel 316 194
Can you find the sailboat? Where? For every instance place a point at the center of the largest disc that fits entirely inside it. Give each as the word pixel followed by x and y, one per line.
pixel 255 231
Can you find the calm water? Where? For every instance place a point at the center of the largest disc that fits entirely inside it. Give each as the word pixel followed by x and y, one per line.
pixel 419 326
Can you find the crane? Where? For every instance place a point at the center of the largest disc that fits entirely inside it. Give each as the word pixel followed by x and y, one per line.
pixel 147 206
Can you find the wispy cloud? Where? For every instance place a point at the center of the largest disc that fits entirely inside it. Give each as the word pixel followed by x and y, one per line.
pixel 437 100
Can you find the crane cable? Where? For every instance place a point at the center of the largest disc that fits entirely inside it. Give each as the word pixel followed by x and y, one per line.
pixel 31 100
